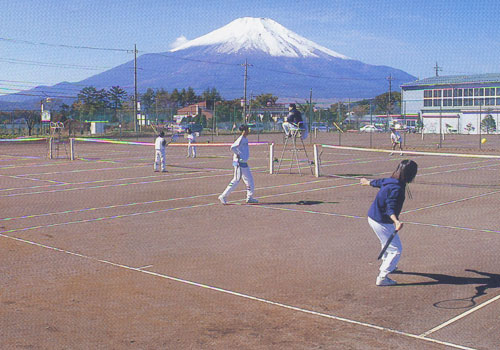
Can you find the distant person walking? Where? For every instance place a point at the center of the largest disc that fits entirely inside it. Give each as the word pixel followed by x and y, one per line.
pixel 191 137
pixel 160 146
pixel 383 215
pixel 396 141
pixel 241 153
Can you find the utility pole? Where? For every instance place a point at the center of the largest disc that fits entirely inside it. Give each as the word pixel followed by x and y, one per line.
pixel 310 111
pixel 245 91
pixel 390 79
pixel 437 69
pixel 135 87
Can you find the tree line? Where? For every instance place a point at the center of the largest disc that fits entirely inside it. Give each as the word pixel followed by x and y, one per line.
pixel 116 105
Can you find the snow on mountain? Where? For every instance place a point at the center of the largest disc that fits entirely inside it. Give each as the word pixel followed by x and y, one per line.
pixel 281 62
pixel 259 34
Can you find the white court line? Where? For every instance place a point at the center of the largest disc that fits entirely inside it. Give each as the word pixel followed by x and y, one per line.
pixel 152 202
pixel 462 315
pixel 245 296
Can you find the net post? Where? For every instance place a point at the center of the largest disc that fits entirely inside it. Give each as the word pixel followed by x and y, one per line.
pixel 316 161
pixel 51 140
pixel 72 148
pixel 271 158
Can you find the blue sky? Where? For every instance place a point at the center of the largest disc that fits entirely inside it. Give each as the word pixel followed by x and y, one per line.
pixel 463 36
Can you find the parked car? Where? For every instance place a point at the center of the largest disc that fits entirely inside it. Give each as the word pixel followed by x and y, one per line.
pixel 181 128
pixel 320 126
pixel 370 128
pixel 256 127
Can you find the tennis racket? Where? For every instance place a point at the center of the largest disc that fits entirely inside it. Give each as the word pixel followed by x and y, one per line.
pixel 387 244
pixel 172 139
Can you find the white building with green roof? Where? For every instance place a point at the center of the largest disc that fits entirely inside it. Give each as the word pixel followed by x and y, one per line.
pixel 458 103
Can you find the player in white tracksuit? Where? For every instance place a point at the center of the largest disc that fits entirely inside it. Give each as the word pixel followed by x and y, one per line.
pixel 160 145
pixel 241 168
pixel 191 141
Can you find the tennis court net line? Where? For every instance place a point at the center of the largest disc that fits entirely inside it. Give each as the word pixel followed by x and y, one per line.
pixel 319 149
pixel 76 152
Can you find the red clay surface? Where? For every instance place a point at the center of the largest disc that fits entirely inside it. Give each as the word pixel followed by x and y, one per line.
pixel 103 253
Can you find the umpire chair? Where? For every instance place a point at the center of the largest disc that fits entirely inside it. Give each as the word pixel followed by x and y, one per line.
pixel 293 145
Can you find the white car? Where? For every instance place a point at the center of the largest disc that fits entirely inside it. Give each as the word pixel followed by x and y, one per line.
pixel 370 128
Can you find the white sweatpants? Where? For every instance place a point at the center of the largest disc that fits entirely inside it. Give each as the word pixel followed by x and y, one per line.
pixel 240 173
pixel 159 158
pixel 191 150
pixel 393 253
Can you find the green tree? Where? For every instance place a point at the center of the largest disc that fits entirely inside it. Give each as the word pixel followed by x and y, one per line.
pixel 210 96
pixel 488 124
pixel 176 97
pixel 92 102
pixel 117 97
pixel 384 106
pixel 32 118
pixel 264 100
pixel 190 96
pixel 148 101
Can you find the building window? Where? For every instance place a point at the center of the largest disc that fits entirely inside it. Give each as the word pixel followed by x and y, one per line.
pixel 447 93
pixel 479 102
pixel 428 103
pixel 437 93
pixel 436 102
pixel 498 92
pixel 498 101
pixel 478 92
pixel 457 101
pixel 468 92
pixel 457 92
pixel 427 93
pixel 447 102
pixel 489 101
pixel 489 92
pixel 468 102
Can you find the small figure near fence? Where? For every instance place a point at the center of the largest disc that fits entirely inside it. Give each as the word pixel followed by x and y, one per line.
pixel 396 141
pixel 191 137
pixel 160 146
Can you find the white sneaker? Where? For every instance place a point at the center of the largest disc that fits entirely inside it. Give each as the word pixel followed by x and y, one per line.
pixel 222 199
pixel 391 154
pixel 401 153
pixel 252 200
pixel 385 282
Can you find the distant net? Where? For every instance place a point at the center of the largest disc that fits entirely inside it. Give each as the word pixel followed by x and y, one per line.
pixel 450 169
pixel 209 156
pixel 23 148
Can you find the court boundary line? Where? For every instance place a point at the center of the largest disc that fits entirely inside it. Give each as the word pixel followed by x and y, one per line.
pixel 242 295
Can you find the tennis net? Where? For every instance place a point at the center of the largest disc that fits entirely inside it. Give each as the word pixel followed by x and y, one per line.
pixel 356 162
pixel 24 148
pixel 209 156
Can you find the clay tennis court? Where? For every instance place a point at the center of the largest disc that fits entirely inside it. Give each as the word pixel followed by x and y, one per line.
pixel 104 253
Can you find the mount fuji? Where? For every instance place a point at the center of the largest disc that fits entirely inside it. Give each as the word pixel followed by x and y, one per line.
pixel 280 62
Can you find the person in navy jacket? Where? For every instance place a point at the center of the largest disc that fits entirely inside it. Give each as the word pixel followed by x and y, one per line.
pixel 383 215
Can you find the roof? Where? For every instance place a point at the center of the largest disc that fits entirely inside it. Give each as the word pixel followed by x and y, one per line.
pixel 456 79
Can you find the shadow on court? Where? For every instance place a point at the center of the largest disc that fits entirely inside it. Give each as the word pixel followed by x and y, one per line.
pixel 487 281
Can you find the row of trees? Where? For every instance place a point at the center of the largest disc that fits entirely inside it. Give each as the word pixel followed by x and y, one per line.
pixel 116 105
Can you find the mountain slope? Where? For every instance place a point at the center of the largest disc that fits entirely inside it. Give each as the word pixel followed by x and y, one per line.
pixel 281 62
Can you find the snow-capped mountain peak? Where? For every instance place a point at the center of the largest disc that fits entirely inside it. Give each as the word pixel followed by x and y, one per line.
pixel 259 34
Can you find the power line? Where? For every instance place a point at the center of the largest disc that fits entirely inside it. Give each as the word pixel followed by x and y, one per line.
pixel 65 46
